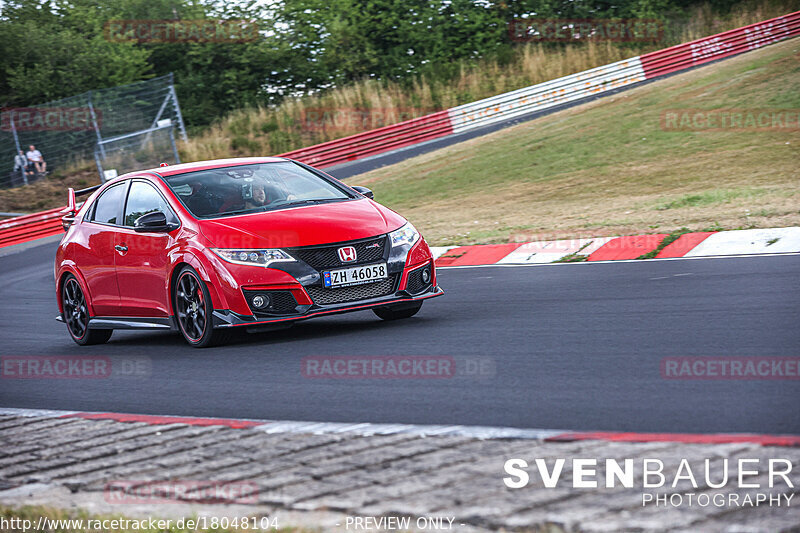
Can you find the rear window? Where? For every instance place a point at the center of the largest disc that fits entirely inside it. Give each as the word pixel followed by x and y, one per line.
pixel 107 206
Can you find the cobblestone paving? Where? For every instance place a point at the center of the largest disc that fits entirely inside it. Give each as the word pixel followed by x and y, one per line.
pixel 336 475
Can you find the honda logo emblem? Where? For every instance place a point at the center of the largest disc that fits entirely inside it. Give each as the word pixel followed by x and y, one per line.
pixel 347 254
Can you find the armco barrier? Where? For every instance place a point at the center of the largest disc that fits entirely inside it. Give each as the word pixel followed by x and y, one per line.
pixel 572 88
pixel 28 227
pixel 544 95
pixel 627 72
pixel 375 141
pixel 719 46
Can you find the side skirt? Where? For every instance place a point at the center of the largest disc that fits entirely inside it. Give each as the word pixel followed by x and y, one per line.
pixel 109 322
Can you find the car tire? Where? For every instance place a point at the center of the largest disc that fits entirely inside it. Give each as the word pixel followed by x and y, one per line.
pixel 398 311
pixel 75 313
pixel 194 311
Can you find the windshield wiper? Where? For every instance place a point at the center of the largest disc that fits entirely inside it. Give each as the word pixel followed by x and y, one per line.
pixel 313 201
pixel 239 212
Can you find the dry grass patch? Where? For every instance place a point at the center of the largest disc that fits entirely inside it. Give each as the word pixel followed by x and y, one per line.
pixel 48 192
pixel 607 167
pixel 264 131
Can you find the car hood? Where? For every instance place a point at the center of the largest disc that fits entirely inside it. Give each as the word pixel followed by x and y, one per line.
pixel 303 226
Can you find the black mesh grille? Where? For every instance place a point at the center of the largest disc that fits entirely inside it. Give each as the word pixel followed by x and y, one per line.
pixel 323 296
pixel 415 285
pixel 322 257
pixel 281 302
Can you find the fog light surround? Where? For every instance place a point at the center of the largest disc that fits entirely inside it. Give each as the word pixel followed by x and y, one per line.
pixel 426 275
pixel 260 301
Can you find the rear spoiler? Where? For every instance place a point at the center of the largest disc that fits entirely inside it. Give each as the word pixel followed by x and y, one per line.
pixel 72 206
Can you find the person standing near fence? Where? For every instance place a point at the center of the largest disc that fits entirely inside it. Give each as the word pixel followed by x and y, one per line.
pixel 21 164
pixel 35 157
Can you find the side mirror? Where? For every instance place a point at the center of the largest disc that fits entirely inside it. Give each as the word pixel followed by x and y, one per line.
pixel 363 190
pixel 155 222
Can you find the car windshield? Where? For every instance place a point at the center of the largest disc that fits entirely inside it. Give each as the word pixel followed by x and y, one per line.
pixel 242 189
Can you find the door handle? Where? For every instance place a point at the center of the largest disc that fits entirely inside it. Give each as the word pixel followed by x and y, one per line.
pixel 121 248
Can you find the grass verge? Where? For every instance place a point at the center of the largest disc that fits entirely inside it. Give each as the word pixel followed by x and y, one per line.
pixel 368 104
pixel 609 168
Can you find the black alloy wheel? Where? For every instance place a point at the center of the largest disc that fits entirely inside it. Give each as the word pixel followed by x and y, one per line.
pixel 193 310
pixel 76 315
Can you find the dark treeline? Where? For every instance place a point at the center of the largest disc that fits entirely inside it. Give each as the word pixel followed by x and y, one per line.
pixel 57 48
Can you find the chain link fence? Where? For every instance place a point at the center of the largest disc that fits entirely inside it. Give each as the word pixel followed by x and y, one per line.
pixel 133 151
pixel 132 124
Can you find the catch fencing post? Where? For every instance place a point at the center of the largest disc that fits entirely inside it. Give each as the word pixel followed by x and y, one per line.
pixel 16 143
pixel 174 147
pixel 96 129
pixel 176 106
pixel 99 166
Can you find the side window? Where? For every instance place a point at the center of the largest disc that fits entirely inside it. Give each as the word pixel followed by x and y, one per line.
pixel 106 209
pixel 143 199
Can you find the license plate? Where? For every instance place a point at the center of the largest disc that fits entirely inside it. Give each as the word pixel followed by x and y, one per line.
pixel 354 275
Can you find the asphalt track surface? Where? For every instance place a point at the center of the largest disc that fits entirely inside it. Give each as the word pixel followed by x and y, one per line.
pixel 574 347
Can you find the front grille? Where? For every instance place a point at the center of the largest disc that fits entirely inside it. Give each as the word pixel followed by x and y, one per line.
pixel 415 285
pixel 323 296
pixel 281 302
pixel 323 257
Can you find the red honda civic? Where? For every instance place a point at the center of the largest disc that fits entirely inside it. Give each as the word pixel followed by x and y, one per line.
pixel 205 247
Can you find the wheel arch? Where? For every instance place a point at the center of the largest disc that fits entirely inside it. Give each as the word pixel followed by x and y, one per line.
pixel 192 260
pixel 66 271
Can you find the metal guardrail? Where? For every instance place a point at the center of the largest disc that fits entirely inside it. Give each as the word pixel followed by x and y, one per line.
pixel 570 88
pixel 29 227
pixel 726 44
pixel 375 141
pixel 35 226
pixel 627 72
pixel 548 94
pixel 574 87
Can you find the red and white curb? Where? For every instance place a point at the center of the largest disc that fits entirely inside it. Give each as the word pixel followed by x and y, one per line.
pixel 699 244
pixel 420 430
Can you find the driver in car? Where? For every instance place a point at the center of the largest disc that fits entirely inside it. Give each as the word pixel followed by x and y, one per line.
pixel 265 194
pixel 259 198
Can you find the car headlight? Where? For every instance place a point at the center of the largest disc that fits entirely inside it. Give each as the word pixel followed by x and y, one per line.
pixel 253 257
pixel 405 235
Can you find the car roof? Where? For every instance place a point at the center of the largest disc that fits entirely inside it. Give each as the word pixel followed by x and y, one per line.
pixel 171 170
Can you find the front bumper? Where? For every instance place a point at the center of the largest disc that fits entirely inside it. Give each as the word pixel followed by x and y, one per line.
pixel 225 318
